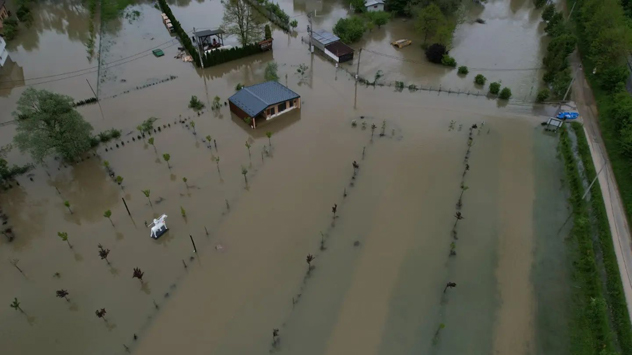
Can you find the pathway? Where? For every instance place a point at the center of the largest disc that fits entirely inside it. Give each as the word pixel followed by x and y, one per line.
pixel 619 227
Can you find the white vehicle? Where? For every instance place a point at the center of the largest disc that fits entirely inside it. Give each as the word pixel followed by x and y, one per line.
pixel 158 227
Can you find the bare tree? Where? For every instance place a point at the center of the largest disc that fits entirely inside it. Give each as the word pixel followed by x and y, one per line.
pixel 242 20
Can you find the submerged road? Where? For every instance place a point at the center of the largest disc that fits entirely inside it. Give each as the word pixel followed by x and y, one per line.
pixel 617 219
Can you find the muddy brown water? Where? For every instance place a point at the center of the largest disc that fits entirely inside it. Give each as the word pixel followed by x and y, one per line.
pixel 382 296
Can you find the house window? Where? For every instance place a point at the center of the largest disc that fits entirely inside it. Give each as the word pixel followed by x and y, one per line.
pixel 282 106
pixel 291 103
pixel 271 111
pixel 375 6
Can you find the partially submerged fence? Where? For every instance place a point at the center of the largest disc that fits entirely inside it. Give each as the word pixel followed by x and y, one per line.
pixel 273 12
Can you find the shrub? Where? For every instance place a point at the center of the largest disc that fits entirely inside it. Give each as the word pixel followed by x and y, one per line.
pixel 270 73
pixel 539 3
pixel 350 30
pixel 195 104
pixel 494 88
pixel 435 53
pixel 543 94
pixel 480 79
pixel 448 61
pixel 399 85
pixel 239 86
pixel 268 32
pixel 379 18
pixel 549 11
pixel 10 28
pixel 610 78
pixel 293 23
pixel 505 94
pixel 358 5
pixel 463 70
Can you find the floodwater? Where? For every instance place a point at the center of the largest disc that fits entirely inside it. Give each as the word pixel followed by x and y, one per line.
pixel 376 285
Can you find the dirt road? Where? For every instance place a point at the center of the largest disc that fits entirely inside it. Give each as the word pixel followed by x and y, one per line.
pixel 583 96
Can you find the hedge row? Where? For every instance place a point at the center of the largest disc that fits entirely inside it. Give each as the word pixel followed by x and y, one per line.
pixel 590 329
pixel 614 287
pixel 184 37
pixel 273 12
pixel 222 56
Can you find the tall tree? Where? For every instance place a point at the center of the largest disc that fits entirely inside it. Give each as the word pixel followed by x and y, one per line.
pixel 47 123
pixel 429 20
pixel 242 20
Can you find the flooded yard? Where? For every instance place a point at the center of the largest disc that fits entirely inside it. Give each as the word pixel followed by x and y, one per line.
pixel 381 264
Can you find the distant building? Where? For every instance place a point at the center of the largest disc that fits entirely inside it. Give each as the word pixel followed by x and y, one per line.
pixel 262 102
pixel 331 45
pixel 4 54
pixel 374 5
pixel 4 13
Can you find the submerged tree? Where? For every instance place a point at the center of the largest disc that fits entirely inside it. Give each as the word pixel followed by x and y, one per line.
pixel 196 104
pixel 47 123
pixel 107 214
pixel 216 105
pixel 183 212
pixel 64 237
pixel 244 171
pixel 119 180
pixel 103 253
pixel 146 193
pixel 16 305
pixel 209 140
pixel 101 313
pixel 138 274
pixel 62 294
pixel 270 73
pixel 269 135
pixel 184 179
pixel 167 157
pixel 248 147
pixel 151 141
pixel 193 126
pixel 309 260
pixel 67 204
pixel 242 20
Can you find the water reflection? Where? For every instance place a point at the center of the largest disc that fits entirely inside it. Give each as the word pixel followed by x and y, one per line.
pixel 11 76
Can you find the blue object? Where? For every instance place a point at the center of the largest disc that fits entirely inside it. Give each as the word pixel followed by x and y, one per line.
pixel 567 115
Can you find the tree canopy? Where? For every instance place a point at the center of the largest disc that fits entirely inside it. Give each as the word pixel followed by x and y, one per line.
pixel 242 20
pixel 379 18
pixel 429 21
pixel 349 30
pixel 47 123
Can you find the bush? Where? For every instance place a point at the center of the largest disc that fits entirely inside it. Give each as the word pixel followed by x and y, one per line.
pixel 435 53
pixel 196 104
pixel 350 30
pixel 610 78
pixel 494 88
pixel 448 61
pixel 293 23
pixel 549 11
pixel 463 70
pixel 505 94
pixel 24 13
pixel 268 32
pixel 379 18
pixel 222 56
pixel 480 79
pixel 10 28
pixel 543 94
pixel 539 3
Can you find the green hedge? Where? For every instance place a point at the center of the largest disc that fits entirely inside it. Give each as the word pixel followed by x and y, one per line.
pixel 184 37
pixel 222 56
pixel 273 12
pixel 614 287
pixel 590 329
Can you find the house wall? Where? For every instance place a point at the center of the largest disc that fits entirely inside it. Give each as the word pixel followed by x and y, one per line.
pixel 376 7
pixel 4 13
pixel 237 111
pixel 269 114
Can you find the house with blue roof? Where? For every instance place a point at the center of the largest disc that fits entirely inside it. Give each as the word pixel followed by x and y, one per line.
pixel 261 102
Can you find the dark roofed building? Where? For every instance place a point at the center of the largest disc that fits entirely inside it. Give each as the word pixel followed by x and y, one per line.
pixel 263 101
pixel 4 13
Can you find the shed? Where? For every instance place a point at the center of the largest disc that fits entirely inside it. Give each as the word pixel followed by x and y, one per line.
pixel 339 51
pixel 322 38
pixel 208 39
pixel 374 5
pixel 261 102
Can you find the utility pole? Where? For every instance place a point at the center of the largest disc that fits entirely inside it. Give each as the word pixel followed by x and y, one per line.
pixel 309 31
pixel 357 76
pixel 358 68
pixel 96 97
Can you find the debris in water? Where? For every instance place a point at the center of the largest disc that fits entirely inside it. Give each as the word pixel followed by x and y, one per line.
pixel 356 243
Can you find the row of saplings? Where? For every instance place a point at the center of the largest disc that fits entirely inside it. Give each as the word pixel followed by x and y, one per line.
pixel 438 54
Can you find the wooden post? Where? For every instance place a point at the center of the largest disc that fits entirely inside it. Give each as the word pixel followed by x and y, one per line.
pixel 193 242
pixel 125 203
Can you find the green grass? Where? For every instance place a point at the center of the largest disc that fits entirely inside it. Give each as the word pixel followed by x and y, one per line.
pixel 111 9
pixel 614 287
pixel 589 325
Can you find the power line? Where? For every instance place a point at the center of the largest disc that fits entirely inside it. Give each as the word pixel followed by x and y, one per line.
pixel 93 70
pixel 88 70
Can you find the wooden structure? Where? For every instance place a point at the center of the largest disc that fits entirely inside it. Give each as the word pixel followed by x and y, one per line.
pixel 258 103
pixel 331 46
pixel 266 44
pixel 209 39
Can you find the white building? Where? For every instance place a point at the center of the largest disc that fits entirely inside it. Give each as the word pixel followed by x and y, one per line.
pixel 374 5
pixel 4 54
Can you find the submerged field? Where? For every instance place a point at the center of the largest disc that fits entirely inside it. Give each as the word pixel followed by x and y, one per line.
pixel 376 285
